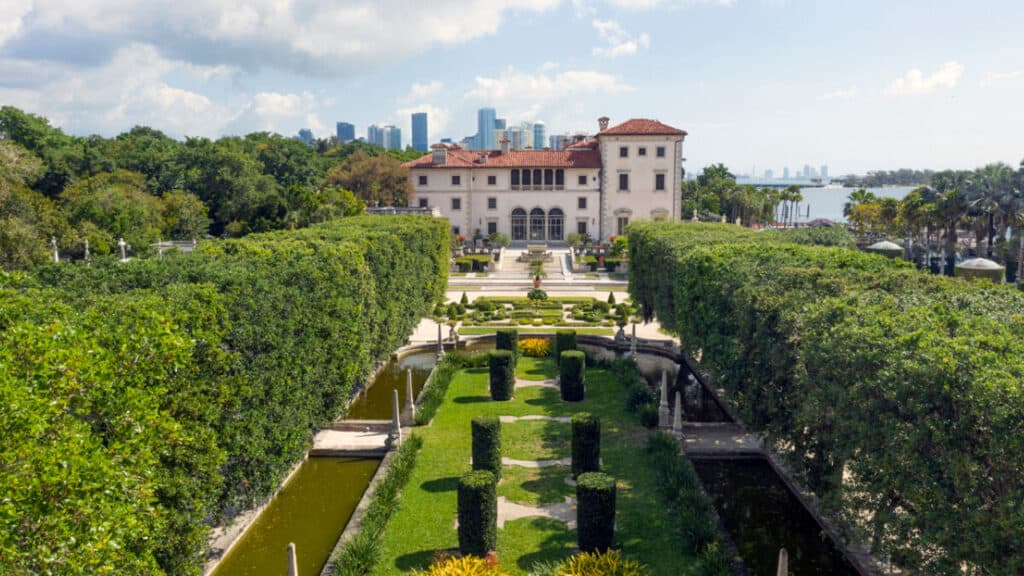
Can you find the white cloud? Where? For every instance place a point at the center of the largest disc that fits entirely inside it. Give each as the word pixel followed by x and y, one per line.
pixel 523 95
pixel 994 77
pixel 279 112
pixel 847 94
pixel 620 43
pixel 670 4
pixel 915 82
pixel 423 91
pixel 330 36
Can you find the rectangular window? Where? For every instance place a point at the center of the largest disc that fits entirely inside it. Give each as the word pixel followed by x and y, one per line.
pixel 423 180
pixel 526 177
pixel 492 203
pixel 582 181
pixel 623 221
pixel 456 203
pixel 559 177
pixel 492 180
pixel 660 151
pixel 623 182
pixel 423 202
pixel 659 181
pixel 623 152
pixel 455 230
pixel 492 228
pixel 515 177
pixel 581 227
pixel 641 151
pixel 456 180
pixel 581 202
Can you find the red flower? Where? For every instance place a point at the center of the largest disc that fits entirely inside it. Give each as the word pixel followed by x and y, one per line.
pixel 611 238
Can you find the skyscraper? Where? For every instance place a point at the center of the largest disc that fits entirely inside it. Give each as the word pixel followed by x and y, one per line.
pixel 785 173
pixel 539 131
pixel 824 172
pixel 306 136
pixel 392 138
pixel 346 132
pixel 375 135
pixel 500 124
pixel 485 120
pixel 419 131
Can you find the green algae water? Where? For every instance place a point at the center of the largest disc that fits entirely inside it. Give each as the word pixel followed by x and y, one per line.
pixel 311 510
pixel 375 402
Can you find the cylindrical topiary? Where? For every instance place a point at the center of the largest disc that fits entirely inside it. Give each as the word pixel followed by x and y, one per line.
pixel 565 340
pixel 572 374
pixel 595 511
pixel 503 374
pixel 487 444
pixel 478 513
pixel 506 339
pixel 586 443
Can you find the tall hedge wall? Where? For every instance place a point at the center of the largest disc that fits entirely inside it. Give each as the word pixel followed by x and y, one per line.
pixel 190 384
pixel 898 395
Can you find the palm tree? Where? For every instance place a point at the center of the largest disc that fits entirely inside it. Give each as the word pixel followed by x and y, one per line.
pixel 793 196
pixel 991 184
pixel 953 206
pixel 859 196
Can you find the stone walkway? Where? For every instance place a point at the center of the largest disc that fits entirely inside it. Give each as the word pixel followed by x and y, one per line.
pixel 522 383
pixel 341 443
pixel 562 511
pixel 512 419
pixel 711 439
pixel 567 461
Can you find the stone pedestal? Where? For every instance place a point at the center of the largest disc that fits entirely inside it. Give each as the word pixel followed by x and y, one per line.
pixel 293 563
pixel 396 422
pixel 664 419
pixel 677 418
pixel 410 398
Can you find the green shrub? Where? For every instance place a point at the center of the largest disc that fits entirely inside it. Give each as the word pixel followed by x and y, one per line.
pixel 502 375
pixel 607 563
pixel 537 295
pixel 649 416
pixel 565 340
pixel 483 306
pixel 464 300
pixel 690 510
pixel 595 511
pixel 435 388
pixel 507 339
pixel 715 560
pixel 487 444
pixel 638 395
pixel 572 375
pixel 586 443
pixel 478 513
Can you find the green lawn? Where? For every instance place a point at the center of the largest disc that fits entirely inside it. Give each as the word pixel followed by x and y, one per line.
pixel 426 521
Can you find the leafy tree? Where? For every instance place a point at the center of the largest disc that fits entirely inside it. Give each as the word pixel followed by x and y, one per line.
pixel 373 179
pixel 184 216
pixel 117 205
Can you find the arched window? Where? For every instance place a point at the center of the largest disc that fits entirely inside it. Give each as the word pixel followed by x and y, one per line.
pixel 519 224
pixel 536 224
pixel 556 224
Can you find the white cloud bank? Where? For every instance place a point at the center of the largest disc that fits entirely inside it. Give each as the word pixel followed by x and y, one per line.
pixel 620 43
pixel 915 82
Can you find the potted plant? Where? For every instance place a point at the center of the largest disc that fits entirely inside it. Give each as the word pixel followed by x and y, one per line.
pixel 537 270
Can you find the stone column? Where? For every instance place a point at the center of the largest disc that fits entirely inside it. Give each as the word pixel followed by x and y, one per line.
pixel 86 250
pixel 440 344
pixel 56 253
pixel 410 399
pixel 396 421
pixel 677 418
pixel 632 343
pixel 783 569
pixel 122 244
pixel 664 420
pixel 293 563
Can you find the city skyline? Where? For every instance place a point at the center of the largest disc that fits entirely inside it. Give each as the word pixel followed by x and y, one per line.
pixel 831 81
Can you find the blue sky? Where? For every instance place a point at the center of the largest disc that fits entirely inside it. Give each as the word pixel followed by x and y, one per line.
pixel 857 85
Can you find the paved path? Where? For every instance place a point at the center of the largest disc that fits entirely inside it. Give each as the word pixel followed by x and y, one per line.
pixel 536 463
pixel 562 511
pixel 523 383
pixel 339 443
pixel 710 439
pixel 512 419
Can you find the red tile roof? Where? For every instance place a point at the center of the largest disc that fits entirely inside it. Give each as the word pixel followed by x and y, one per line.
pixel 644 127
pixel 459 158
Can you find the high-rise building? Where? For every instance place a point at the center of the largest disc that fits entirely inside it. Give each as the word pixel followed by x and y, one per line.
pixel 555 141
pixel 500 124
pixel 785 173
pixel 419 131
pixel 807 171
pixel 392 138
pixel 539 131
pixel 824 172
pixel 306 136
pixel 346 132
pixel 375 135
pixel 768 174
pixel 485 119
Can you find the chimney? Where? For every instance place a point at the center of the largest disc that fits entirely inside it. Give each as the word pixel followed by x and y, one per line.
pixel 439 154
pixel 602 123
pixel 504 145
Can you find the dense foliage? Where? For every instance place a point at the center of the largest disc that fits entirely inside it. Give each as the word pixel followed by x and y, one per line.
pixel 897 395
pixel 478 512
pixel 502 370
pixel 360 555
pixel 595 511
pixel 572 375
pixel 507 339
pixel 486 433
pixel 565 340
pixel 143 185
pixel 142 401
pixel 586 443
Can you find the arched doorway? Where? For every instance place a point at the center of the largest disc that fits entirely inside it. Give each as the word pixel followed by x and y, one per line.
pixel 519 224
pixel 556 224
pixel 536 224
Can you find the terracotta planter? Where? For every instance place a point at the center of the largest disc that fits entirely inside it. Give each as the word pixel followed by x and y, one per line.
pixel 536 281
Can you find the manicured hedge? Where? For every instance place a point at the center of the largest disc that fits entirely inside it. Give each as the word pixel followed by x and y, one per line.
pixel 241 350
pixel 595 511
pixel 478 513
pixel 486 431
pixel 586 443
pixel 896 395
pixel 506 339
pixel 502 375
pixel 572 375
pixel 564 340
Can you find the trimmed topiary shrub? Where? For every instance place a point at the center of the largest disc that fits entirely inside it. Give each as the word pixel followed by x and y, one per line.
pixel 565 340
pixel 464 300
pixel 487 444
pixel 586 443
pixel 611 298
pixel 478 513
pixel 572 374
pixel 595 511
pixel 502 374
pixel 507 340
pixel 649 416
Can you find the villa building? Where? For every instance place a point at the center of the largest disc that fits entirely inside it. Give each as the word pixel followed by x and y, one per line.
pixel 596 186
